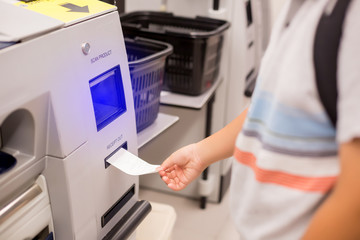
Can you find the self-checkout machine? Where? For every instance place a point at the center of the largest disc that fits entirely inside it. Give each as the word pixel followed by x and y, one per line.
pixel 65 108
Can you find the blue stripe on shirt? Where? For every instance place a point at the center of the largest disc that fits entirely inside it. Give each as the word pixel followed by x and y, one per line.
pixel 283 128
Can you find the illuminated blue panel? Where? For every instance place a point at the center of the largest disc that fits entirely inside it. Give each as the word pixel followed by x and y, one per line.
pixel 108 97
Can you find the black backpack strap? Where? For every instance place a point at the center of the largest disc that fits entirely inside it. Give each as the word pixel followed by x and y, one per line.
pixel 326 47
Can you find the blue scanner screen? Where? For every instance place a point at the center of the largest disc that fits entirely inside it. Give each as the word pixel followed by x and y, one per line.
pixel 107 92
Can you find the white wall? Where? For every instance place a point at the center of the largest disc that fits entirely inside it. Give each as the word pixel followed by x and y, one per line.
pixel 192 7
pixel 189 8
pixel 275 8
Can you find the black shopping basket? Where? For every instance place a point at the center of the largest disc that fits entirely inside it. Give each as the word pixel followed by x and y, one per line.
pixel 146 63
pixel 194 65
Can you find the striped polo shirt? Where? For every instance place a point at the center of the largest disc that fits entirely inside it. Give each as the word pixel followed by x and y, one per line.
pixel 286 154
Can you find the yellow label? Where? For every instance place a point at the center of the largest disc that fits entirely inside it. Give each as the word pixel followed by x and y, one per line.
pixel 67 11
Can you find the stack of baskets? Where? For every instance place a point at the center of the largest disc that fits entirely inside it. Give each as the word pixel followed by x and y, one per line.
pixel 194 64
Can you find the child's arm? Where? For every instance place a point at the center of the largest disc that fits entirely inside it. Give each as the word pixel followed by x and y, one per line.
pixel 339 215
pixel 186 164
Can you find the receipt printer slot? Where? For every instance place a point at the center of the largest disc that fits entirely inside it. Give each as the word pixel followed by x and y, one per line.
pixel 124 146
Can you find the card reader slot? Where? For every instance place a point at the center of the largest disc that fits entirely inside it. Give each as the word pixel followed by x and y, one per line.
pixel 111 212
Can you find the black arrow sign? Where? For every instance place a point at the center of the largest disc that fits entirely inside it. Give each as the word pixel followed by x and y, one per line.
pixel 75 8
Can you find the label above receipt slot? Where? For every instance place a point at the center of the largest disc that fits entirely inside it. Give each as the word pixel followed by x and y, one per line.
pixel 108 97
pixel 131 164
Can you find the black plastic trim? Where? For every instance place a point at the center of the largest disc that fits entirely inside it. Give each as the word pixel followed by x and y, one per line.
pixel 224 184
pixel 250 82
pixel 111 212
pixel 126 226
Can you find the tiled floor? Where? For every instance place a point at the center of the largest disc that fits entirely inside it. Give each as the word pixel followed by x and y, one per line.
pixel 193 223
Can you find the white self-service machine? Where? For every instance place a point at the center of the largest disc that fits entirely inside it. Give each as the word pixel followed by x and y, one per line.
pixel 66 107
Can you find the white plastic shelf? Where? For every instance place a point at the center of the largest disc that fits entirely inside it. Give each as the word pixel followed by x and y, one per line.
pixel 182 100
pixel 162 122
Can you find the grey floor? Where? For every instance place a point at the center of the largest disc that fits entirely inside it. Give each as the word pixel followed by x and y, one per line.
pixel 193 223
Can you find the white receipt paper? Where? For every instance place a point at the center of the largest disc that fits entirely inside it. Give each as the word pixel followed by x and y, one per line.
pixel 131 164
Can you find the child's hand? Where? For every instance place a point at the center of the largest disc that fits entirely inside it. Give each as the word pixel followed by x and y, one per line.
pixel 181 168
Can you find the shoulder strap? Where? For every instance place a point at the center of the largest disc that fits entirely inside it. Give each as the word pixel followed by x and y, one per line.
pixel 326 47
